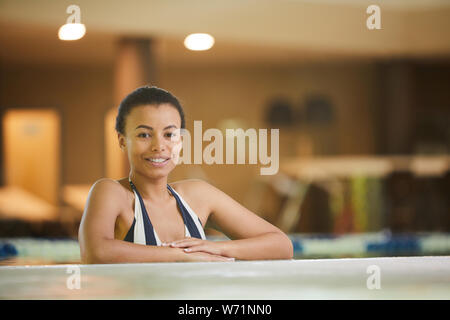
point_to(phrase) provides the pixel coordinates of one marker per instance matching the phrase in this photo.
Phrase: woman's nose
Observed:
(157, 144)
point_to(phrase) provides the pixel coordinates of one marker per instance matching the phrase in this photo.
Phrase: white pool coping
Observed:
(353, 278)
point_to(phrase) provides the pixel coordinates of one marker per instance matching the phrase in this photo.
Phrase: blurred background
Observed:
(364, 115)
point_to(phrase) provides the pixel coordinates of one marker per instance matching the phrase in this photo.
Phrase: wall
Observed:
(212, 94)
(82, 95)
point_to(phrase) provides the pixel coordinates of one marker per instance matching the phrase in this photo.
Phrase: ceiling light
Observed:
(199, 41)
(72, 31)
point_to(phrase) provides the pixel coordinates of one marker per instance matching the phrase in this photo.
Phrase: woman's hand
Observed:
(193, 245)
(206, 257)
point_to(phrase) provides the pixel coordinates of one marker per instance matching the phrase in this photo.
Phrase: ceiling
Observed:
(246, 31)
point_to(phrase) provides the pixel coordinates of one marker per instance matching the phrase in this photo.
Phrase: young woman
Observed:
(142, 218)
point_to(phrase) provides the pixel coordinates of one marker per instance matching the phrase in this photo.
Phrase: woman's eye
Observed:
(143, 135)
(170, 134)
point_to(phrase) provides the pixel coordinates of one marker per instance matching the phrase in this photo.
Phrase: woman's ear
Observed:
(122, 141)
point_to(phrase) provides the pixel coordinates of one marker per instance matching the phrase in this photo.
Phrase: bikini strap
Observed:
(147, 224)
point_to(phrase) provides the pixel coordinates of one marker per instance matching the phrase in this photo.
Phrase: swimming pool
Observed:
(35, 251)
(354, 278)
(325, 267)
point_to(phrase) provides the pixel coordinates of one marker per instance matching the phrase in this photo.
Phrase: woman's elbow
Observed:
(288, 248)
(89, 257)
(93, 255)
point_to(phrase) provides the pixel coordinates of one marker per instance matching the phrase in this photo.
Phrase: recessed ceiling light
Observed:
(72, 31)
(199, 41)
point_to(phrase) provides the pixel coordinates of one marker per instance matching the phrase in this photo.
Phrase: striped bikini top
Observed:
(142, 231)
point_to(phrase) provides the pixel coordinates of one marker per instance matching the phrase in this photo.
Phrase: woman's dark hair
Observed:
(144, 96)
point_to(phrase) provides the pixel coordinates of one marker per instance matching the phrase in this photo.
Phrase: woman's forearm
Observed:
(269, 246)
(118, 251)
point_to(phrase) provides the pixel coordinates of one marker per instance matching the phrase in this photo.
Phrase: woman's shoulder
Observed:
(107, 183)
(192, 188)
(198, 193)
(189, 184)
(106, 187)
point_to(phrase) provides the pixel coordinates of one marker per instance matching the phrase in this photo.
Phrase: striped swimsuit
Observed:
(142, 231)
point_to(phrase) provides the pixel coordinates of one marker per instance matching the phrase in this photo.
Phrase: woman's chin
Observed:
(157, 173)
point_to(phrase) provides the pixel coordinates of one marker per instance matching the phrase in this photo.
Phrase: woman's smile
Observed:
(158, 162)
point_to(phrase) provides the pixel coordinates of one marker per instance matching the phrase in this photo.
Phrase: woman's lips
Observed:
(157, 164)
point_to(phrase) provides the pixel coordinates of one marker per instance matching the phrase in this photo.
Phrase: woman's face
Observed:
(152, 139)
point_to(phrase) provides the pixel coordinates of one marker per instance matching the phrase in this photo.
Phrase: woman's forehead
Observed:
(154, 115)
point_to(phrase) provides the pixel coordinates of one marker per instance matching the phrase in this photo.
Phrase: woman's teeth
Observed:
(157, 160)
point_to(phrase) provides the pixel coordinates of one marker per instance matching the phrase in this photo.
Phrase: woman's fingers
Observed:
(211, 248)
(191, 245)
(199, 248)
(203, 256)
(224, 259)
(184, 242)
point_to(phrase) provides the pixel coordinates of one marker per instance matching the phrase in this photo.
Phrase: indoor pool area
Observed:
(409, 267)
(225, 150)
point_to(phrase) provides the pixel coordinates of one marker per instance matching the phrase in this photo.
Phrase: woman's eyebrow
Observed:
(150, 128)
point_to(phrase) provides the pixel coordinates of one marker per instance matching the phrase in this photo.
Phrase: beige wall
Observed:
(81, 95)
(84, 94)
(213, 94)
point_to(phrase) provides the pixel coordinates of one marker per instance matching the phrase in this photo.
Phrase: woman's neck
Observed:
(154, 190)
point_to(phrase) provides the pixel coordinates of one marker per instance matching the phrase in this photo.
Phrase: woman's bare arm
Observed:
(252, 237)
(96, 233)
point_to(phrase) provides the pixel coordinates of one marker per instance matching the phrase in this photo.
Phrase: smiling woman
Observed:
(141, 218)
